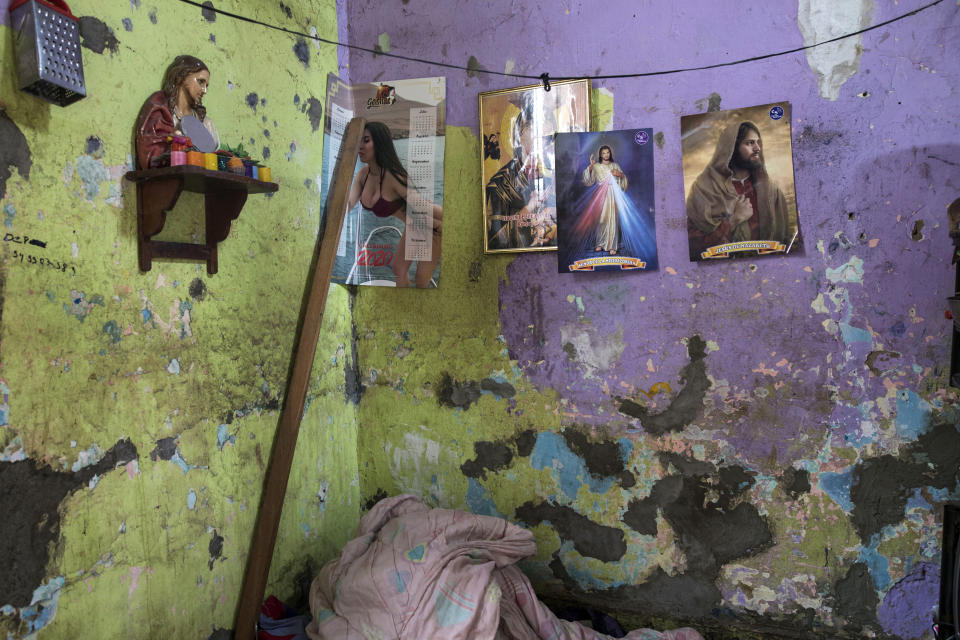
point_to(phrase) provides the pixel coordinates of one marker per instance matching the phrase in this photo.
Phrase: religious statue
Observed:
(162, 115)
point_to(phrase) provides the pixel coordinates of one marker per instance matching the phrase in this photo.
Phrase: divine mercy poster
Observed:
(392, 228)
(605, 201)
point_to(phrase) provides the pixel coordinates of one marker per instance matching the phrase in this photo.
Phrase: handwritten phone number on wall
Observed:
(56, 265)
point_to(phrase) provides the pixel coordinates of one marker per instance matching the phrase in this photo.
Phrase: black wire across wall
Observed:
(546, 77)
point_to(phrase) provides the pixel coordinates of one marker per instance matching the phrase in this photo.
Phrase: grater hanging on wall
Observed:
(47, 46)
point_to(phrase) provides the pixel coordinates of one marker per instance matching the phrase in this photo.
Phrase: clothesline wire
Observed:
(546, 77)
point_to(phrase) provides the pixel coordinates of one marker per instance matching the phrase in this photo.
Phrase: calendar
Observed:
(420, 150)
(392, 231)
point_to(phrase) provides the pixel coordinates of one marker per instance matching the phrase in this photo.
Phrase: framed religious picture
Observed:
(605, 201)
(517, 160)
(738, 183)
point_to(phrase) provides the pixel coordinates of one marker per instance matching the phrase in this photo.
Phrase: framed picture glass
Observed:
(517, 160)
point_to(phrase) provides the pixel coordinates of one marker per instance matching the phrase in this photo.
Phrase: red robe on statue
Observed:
(154, 124)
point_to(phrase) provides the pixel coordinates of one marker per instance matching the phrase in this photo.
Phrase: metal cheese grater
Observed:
(47, 45)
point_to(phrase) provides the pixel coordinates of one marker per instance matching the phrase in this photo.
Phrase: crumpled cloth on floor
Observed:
(415, 573)
(279, 622)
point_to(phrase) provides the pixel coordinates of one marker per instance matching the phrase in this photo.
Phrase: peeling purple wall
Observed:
(840, 347)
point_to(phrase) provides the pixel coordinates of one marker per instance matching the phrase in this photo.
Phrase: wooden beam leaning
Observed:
(285, 439)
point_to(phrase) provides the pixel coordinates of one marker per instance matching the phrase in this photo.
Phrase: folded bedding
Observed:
(415, 572)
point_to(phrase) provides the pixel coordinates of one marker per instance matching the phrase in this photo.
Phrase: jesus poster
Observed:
(605, 201)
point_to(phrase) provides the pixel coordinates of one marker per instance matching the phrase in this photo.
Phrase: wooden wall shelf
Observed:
(157, 193)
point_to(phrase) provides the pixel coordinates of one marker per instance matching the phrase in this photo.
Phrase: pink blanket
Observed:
(417, 573)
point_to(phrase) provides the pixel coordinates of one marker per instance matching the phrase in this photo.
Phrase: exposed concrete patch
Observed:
(208, 13)
(301, 584)
(14, 152)
(879, 491)
(603, 459)
(821, 20)
(857, 597)
(795, 482)
(475, 271)
(939, 447)
(916, 232)
(710, 103)
(626, 479)
(30, 497)
(734, 481)
(451, 393)
(589, 538)
(704, 507)
(473, 67)
(97, 36)
(492, 456)
(302, 51)
(881, 486)
(165, 449)
(879, 362)
(560, 571)
(501, 389)
(197, 289)
(353, 387)
(688, 466)
(525, 442)
(4, 407)
(215, 548)
(814, 137)
(498, 454)
(641, 516)
(314, 110)
(679, 597)
(352, 379)
(94, 147)
(374, 499)
(709, 536)
(658, 139)
(689, 401)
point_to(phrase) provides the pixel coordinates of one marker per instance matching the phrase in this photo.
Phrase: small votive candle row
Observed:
(209, 161)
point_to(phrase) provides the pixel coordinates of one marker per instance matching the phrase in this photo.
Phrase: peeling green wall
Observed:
(142, 406)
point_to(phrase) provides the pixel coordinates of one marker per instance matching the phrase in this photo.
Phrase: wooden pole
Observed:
(285, 439)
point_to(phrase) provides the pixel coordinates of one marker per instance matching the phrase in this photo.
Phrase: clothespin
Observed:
(546, 81)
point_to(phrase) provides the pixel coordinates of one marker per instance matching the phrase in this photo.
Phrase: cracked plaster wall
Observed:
(138, 409)
(771, 439)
